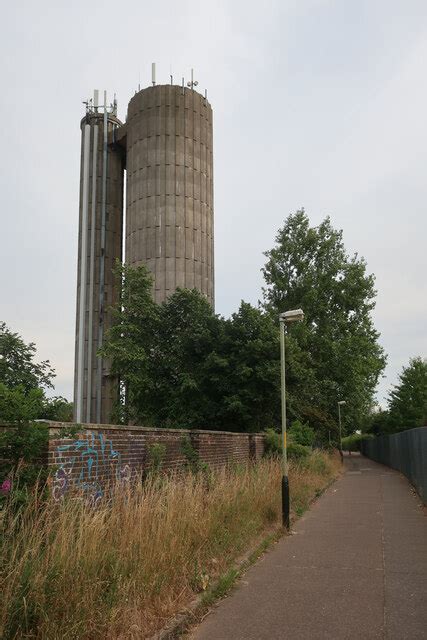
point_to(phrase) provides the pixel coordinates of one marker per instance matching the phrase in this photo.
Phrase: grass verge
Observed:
(122, 570)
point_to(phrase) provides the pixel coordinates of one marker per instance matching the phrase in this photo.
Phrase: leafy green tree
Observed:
(23, 383)
(18, 406)
(181, 365)
(17, 365)
(23, 446)
(301, 434)
(249, 381)
(408, 399)
(185, 355)
(131, 342)
(309, 268)
(377, 422)
(58, 409)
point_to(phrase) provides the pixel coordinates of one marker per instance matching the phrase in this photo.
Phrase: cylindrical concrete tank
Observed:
(99, 245)
(169, 212)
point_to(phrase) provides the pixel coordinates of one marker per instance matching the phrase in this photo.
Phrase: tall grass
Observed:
(121, 570)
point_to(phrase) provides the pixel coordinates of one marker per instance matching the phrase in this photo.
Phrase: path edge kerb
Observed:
(180, 623)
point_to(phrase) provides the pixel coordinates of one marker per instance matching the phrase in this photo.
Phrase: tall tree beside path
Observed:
(310, 268)
(408, 400)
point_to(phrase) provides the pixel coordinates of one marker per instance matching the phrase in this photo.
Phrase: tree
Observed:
(186, 352)
(130, 342)
(23, 383)
(377, 422)
(17, 366)
(181, 365)
(248, 383)
(408, 399)
(309, 268)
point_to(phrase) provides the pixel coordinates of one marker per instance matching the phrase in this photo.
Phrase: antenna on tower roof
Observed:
(153, 73)
(193, 83)
(95, 99)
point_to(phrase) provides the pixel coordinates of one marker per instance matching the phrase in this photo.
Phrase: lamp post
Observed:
(341, 403)
(297, 315)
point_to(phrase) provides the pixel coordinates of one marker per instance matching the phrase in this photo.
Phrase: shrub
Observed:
(273, 446)
(354, 440)
(300, 433)
(273, 442)
(23, 459)
(193, 459)
(156, 456)
(297, 451)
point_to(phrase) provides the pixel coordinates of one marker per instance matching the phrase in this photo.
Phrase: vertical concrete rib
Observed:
(169, 218)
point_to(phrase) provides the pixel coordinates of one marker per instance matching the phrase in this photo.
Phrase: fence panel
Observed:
(405, 451)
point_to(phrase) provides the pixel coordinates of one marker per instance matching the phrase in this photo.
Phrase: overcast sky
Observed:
(317, 103)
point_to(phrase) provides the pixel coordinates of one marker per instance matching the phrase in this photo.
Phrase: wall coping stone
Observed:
(115, 427)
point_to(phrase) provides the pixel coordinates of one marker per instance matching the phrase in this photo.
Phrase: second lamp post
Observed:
(297, 315)
(341, 403)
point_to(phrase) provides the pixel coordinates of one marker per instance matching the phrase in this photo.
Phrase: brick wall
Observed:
(102, 453)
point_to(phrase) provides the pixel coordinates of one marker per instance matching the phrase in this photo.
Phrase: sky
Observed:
(320, 104)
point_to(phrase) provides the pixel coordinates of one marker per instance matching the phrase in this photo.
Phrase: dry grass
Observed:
(121, 570)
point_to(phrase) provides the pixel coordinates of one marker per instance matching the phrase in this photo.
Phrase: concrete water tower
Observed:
(166, 148)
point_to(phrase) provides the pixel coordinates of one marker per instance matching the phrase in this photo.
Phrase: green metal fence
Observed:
(405, 451)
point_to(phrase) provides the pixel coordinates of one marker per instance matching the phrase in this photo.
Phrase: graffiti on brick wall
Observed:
(84, 463)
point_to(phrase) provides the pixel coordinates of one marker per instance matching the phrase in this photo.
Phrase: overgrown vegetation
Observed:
(353, 441)
(300, 441)
(24, 382)
(122, 569)
(156, 456)
(182, 365)
(407, 402)
(23, 386)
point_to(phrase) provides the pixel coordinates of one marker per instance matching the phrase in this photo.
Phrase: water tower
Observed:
(165, 146)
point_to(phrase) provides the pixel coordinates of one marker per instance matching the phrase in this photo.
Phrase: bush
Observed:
(298, 451)
(273, 442)
(273, 446)
(23, 459)
(194, 463)
(300, 433)
(353, 441)
(156, 456)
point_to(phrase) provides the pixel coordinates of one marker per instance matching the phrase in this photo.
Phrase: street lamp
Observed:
(341, 403)
(297, 315)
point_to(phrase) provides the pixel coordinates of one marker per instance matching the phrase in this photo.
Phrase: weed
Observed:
(141, 556)
(156, 456)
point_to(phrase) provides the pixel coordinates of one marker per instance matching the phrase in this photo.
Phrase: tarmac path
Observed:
(355, 569)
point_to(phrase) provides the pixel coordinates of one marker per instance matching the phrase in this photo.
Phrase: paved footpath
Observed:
(355, 568)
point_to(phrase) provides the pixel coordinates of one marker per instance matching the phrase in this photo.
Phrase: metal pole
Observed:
(285, 480)
(83, 276)
(99, 390)
(92, 271)
(339, 422)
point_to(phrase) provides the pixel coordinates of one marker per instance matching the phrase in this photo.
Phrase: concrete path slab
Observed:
(355, 569)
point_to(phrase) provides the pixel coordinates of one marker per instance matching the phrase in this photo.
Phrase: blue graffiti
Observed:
(91, 455)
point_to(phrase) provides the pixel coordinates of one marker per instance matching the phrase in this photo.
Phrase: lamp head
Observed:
(296, 315)
(341, 402)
